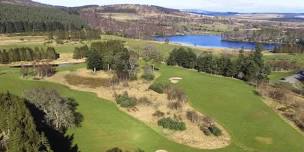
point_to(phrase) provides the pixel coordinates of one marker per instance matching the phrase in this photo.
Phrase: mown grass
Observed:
(235, 105)
(231, 102)
(60, 48)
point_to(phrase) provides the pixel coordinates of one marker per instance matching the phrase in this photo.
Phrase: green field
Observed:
(297, 58)
(276, 76)
(231, 102)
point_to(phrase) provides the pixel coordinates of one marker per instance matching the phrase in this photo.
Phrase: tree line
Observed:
(37, 70)
(297, 47)
(14, 19)
(246, 67)
(27, 54)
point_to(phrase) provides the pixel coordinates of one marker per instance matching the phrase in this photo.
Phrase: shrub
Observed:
(193, 116)
(171, 124)
(158, 87)
(205, 130)
(175, 105)
(148, 77)
(144, 101)
(215, 131)
(174, 93)
(148, 73)
(208, 130)
(158, 114)
(125, 101)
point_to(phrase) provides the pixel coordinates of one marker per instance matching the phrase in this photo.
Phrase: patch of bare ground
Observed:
(10, 40)
(146, 111)
(65, 58)
(264, 140)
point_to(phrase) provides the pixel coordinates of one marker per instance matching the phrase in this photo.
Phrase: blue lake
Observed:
(210, 41)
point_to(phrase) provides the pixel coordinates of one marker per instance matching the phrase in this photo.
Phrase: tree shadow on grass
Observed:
(59, 142)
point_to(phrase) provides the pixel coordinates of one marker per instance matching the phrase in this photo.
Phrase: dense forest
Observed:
(297, 47)
(265, 35)
(16, 19)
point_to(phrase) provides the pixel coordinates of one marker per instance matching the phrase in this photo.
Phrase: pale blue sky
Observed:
(211, 5)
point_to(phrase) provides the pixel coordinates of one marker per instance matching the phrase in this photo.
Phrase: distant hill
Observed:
(136, 8)
(134, 20)
(23, 3)
(210, 13)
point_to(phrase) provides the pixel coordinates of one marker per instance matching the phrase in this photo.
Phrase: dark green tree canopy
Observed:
(17, 129)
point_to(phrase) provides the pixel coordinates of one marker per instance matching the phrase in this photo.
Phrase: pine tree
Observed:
(17, 128)
(94, 61)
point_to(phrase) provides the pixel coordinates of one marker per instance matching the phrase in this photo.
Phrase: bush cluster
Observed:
(158, 114)
(176, 94)
(211, 130)
(169, 123)
(148, 73)
(125, 101)
(158, 87)
(205, 124)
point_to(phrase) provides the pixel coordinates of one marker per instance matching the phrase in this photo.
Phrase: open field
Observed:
(298, 58)
(252, 125)
(276, 76)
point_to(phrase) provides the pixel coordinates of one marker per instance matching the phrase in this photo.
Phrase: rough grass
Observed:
(86, 81)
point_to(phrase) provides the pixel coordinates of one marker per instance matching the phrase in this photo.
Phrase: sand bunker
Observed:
(175, 80)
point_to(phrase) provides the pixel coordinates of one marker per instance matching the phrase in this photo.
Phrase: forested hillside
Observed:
(16, 18)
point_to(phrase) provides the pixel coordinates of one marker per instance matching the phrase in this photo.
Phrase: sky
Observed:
(294, 6)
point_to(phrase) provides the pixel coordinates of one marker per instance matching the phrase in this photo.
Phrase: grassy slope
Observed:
(230, 102)
(104, 125)
(297, 58)
(276, 76)
(234, 104)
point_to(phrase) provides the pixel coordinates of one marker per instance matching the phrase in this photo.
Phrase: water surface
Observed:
(210, 41)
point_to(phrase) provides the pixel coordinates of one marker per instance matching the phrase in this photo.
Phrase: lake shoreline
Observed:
(211, 41)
